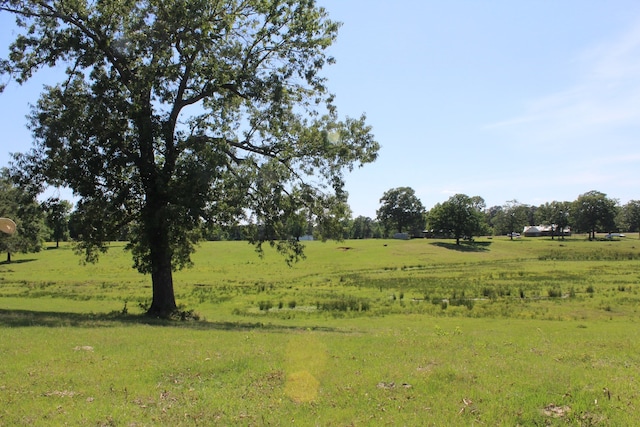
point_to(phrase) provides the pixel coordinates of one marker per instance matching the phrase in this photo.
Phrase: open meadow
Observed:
(530, 332)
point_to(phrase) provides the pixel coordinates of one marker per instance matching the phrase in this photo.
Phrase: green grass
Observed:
(528, 332)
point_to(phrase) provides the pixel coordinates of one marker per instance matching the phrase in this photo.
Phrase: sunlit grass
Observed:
(361, 332)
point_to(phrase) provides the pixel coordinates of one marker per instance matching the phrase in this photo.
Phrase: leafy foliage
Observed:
(21, 206)
(57, 218)
(511, 218)
(594, 211)
(630, 216)
(555, 213)
(459, 217)
(182, 112)
(401, 210)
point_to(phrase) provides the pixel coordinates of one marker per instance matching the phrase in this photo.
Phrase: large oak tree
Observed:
(175, 112)
(460, 217)
(593, 211)
(401, 211)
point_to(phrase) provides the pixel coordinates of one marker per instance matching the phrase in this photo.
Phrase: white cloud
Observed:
(604, 98)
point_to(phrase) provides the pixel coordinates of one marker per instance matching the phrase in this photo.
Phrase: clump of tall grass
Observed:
(346, 303)
(444, 303)
(265, 305)
(555, 292)
(599, 254)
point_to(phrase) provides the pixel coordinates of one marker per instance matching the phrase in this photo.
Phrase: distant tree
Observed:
(21, 206)
(531, 215)
(460, 216)
(492, 215)
(362, 227)
(174, 112)
(57, 218)
(480, 205)
(630, 216)
(334, 227)
(543, 214)
(556, 214)
(297, 225)
(401, 211)
(594, 211)
(512, 218)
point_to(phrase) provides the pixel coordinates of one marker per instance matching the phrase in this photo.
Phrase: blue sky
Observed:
(529, 100)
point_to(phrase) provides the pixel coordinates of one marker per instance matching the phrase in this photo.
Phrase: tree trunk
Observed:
(156, 214)
(8, 257)
(163, 303)
(157, 220)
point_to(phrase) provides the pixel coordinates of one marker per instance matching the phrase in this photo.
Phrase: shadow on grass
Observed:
(29, 318)
(464, 246)
(19, 261)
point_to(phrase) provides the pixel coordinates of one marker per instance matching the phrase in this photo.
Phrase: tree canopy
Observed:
(401, 211)
(630, 216)
(459, 217)
(56, 213)
(178, 112)
(557, 214)
(594, 211)
(22, 208)
(511, 218)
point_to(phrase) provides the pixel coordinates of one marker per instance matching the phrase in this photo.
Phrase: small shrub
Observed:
(555, 293)
(291, 304)
(489, 293)
(265, 305)
(466, 302)
(590, 289)
(345, 304)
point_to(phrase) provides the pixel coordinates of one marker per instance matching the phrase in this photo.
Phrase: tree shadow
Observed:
(52, 319)
(464, 246)
(17, 261)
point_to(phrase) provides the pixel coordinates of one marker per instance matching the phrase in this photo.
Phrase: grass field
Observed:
(421, 332)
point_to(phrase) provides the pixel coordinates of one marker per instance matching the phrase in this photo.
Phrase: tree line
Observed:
(461, 217)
